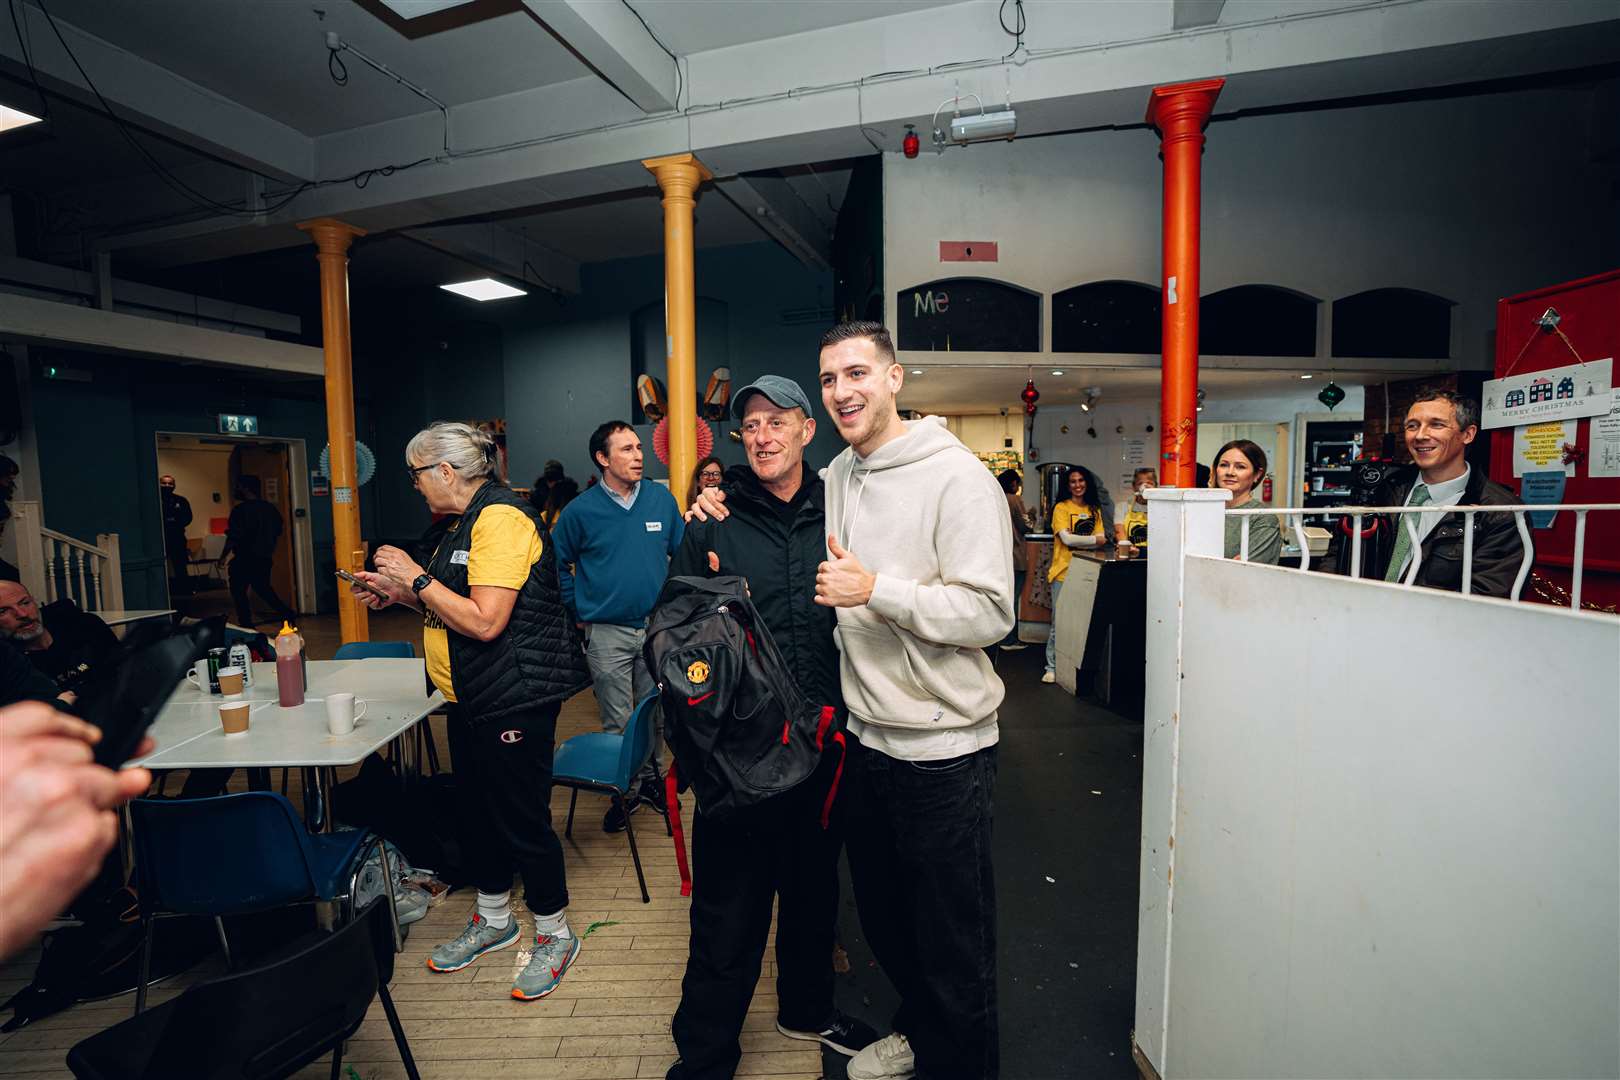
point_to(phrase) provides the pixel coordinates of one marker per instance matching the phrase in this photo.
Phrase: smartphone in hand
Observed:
(370, 588)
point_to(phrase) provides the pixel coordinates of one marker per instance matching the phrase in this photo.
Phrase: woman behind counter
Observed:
(504, 652)
(1077, 522)
(1240, 465)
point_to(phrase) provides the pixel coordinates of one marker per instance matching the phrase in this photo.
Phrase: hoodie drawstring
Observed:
(847, 519)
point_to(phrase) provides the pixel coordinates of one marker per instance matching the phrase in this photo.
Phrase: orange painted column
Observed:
(332, 239)
(679, 176)
(1180, 114)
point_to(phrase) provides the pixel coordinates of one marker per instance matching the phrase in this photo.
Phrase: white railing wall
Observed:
(54, 565)
(1381, 825)
(1407, 516)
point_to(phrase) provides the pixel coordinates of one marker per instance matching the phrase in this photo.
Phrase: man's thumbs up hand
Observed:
(843, 582)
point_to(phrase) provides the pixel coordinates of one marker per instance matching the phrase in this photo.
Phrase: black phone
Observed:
(127, 691)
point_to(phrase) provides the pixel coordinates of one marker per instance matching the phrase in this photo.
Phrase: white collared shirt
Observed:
(1444, 494)
(626, 501)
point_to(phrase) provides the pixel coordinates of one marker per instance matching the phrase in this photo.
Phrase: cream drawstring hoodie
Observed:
(927, 518)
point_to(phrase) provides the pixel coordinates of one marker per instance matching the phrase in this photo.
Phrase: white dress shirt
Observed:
(1444, 494)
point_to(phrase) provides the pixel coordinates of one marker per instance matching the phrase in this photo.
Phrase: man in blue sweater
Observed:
(613, 547)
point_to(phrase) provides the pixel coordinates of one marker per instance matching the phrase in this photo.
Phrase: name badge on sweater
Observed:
(459, 558)
(655, 526)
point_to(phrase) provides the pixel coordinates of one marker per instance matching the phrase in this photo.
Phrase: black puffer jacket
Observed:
(1498, 551)
(538, 659)
(778, 553)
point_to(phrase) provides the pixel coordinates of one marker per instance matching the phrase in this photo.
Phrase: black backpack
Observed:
(742, 731)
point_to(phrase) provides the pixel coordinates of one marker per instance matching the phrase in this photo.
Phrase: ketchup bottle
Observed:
(289, 666)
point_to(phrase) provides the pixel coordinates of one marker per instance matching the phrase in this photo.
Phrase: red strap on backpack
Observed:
(832, 792)
(827, 714)
(672, 792)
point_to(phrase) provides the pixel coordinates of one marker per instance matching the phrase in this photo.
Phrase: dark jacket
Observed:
(176, 513)
(538, 659)
(1498, 550)
(777, 551)
(79, 641)
(20, 680)
(253, 529)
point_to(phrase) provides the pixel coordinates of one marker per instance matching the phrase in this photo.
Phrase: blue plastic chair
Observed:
(599, 761)
(236, 854)
(373, 650)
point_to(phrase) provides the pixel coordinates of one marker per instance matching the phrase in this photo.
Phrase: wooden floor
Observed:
(609, 1018)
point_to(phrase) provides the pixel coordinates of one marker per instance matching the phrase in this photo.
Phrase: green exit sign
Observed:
(232, 424)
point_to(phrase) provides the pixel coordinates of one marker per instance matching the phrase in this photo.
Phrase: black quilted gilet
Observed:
(539, 658)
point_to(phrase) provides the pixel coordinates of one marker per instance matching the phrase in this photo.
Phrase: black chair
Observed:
(260, 1024)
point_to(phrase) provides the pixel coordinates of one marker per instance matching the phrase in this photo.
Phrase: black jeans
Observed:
(919, 857)
(503, 788)
(737, 868)
(253, 571)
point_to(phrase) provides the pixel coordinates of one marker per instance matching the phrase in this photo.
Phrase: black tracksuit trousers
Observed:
(738, 867)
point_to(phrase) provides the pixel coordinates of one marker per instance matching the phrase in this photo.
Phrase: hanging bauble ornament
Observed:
(1030, 396)
(365, 462)
(1330, 395)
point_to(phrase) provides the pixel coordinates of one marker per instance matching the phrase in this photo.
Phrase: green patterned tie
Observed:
(1403, 539)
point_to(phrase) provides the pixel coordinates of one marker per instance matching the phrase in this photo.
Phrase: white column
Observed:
(1181, 522)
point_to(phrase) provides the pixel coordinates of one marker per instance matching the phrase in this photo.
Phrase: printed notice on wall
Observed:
(1540, 447)
(1133, 456)
(1603, 458)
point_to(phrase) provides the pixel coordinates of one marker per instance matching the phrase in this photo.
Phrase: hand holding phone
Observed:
(366, 585)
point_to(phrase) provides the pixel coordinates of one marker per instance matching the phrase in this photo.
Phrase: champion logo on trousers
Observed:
(511, 736)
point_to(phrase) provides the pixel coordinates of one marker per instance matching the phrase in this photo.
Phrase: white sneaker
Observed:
(890, 1058)
(1049, 677)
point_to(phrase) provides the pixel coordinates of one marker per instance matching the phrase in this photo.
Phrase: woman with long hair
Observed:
(1077, 523)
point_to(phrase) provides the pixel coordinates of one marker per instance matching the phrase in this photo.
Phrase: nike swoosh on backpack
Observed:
(700, 700)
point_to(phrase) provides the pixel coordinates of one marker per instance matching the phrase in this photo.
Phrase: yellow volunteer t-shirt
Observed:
(1070, 516)
(505, 546)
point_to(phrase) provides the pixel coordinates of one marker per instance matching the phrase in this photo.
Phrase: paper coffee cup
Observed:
(230, 681)
(234, 717)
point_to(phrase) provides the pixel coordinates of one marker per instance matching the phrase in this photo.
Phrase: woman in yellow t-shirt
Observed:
(502, 649)
(1077, 522)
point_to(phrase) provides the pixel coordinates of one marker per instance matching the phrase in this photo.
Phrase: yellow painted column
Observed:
(332, 239)
(679, 176)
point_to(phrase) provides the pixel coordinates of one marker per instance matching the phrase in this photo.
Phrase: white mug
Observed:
(198, 676)
(340, 713)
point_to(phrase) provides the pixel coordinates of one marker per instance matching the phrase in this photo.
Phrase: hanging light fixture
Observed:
(1330, 395)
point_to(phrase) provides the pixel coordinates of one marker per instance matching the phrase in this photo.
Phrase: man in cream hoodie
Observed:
(920, 570)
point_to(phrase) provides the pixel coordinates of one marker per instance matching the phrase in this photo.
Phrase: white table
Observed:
(189, 734)
(123, 618)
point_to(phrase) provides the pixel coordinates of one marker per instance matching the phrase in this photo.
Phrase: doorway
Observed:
(207, 471)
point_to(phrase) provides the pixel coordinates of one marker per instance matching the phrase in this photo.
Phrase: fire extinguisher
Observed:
(1265, 490)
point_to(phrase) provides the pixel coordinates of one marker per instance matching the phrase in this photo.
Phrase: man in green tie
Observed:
(1440, 425)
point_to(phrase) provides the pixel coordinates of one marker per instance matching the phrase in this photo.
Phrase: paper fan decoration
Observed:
(705, 439)
(365, 462)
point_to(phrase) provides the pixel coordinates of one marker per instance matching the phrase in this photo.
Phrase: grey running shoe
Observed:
(479, 938)
(551, 959)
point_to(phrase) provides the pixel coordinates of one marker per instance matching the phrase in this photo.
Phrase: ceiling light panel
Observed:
(15, 118)
(483, 289)
(415, 9)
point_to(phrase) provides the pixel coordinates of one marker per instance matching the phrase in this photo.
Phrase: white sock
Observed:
(496, 908)
(555, 925)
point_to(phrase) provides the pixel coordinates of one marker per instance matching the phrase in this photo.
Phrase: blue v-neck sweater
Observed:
(611, 562)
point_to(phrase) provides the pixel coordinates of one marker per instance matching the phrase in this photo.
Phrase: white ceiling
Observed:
(986, 390)
(690, 26)
(270, 55)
